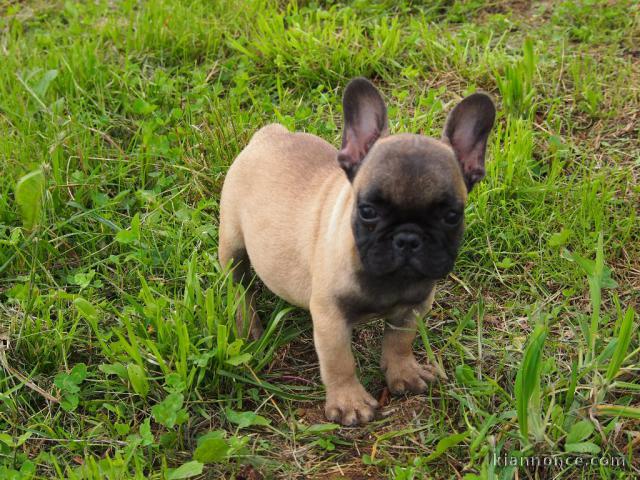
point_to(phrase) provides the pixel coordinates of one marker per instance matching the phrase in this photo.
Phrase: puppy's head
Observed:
(410, 190)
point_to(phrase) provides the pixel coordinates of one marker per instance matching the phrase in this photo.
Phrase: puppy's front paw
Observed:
(407, 375)
(350, 405)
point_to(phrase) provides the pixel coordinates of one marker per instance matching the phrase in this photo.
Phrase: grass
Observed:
(118, 355)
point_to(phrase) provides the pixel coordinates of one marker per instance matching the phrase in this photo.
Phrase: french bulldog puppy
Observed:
(354, 234)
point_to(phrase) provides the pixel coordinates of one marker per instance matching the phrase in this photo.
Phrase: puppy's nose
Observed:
(407, 242)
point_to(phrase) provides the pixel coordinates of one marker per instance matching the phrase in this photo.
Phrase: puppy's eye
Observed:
(452, 217)
(367, 213)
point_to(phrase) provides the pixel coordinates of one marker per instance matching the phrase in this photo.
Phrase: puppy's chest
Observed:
(387, 301)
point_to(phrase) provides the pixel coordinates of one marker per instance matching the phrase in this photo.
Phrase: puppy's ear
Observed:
(365, 120)
(467, 129)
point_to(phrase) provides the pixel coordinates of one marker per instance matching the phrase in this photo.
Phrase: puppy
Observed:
(354, 234)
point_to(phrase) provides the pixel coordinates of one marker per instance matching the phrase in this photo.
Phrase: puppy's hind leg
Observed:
(247, 319)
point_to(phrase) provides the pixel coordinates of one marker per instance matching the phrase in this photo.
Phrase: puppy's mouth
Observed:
(408, 267)
(412, 264)
(415, 267)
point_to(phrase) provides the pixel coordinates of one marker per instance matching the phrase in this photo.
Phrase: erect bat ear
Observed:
(365, 120)
(467, 130)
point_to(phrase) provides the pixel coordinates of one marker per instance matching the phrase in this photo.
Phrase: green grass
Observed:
(118, 355)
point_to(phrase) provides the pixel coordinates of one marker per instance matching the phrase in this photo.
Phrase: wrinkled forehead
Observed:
(411, 170)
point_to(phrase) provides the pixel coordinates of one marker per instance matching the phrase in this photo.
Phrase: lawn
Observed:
(118, 355)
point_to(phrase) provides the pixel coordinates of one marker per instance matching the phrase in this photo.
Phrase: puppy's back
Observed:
(298, 154)
(272, 201)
